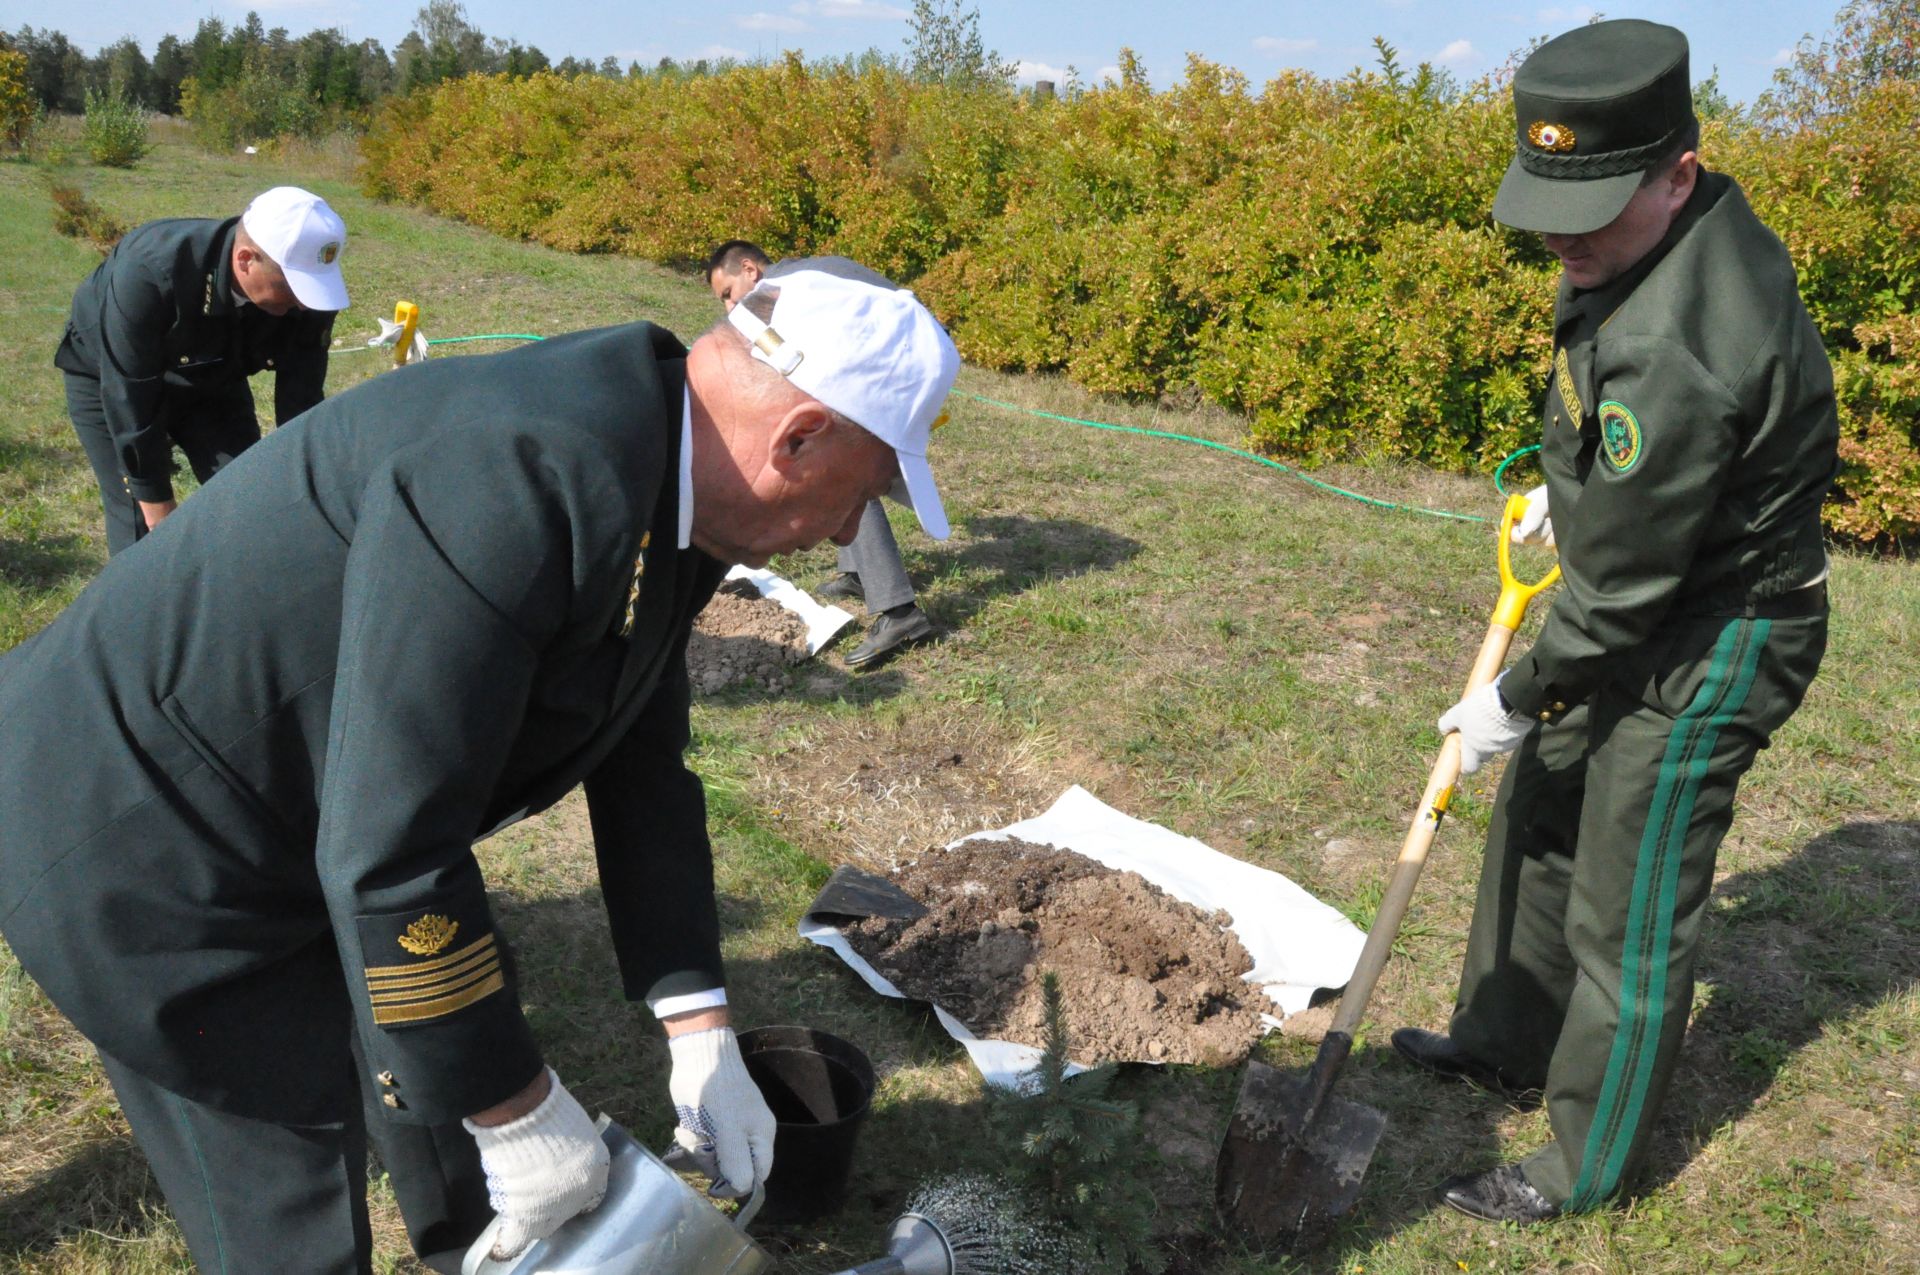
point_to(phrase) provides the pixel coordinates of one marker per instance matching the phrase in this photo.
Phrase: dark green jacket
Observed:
(157, 321)
(240, 777)
(1690, 438)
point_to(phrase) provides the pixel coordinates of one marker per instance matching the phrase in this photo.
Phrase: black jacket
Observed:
(221, 839)
(157, 321)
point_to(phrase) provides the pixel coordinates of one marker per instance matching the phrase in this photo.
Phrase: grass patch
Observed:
(1198, 640)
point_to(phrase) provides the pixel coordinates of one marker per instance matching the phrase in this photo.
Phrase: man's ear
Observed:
(803, 428)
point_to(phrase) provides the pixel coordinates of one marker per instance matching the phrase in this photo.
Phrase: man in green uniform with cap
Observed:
(165, 332)
(242, 774)
(1689, 440)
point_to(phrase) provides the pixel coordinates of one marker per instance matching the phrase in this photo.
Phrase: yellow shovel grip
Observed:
(407, 315)
(1516, 594)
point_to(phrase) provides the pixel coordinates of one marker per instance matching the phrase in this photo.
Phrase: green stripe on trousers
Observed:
(1643, 968)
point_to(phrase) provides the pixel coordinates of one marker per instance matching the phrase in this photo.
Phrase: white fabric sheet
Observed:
(822, 621)
(1298, 944)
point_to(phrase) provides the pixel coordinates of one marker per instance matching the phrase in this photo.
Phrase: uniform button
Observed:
(269, 362)
(1558, 707)
(1546, 716)
(392, 1100)
(386, 1078)
(183, 358)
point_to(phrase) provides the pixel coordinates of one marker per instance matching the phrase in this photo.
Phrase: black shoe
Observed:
(1436, 1052)
(1498, 1195)
(844, 585)
(891, 631)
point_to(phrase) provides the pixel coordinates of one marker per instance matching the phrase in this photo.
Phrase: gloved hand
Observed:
(1487, 727)
(542, 1169)
(1534, 526)
(725, 1126)
(390, 336)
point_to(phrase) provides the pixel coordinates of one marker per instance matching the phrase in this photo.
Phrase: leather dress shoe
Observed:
(891, 631)
(1498, 1195)
(844, 585)
(1436, 1052)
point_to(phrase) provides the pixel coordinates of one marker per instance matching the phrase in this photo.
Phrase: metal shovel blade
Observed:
(1286, 1173)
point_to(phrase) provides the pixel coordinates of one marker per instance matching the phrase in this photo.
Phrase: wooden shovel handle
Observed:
(1507, 614)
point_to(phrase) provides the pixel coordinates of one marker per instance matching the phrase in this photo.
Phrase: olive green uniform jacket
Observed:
(241, 775)
(157, 319)
(1690, 439)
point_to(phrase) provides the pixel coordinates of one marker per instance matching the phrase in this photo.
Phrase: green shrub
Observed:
(18, 107)
(115, 129)
(1317, 255)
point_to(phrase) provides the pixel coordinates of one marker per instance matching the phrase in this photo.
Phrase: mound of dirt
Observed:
(1145, 976)
(743, 638)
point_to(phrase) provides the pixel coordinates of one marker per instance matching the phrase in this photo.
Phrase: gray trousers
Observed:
(874, 556)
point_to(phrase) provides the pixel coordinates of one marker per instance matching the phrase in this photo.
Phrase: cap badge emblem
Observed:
(328, 251)
(429, 935)
(1557, 138)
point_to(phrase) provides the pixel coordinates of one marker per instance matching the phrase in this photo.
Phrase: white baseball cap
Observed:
(875, 355)
(304, 237)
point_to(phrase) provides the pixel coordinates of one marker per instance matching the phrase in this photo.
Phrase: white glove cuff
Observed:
(541, 1137)
(706, 1052)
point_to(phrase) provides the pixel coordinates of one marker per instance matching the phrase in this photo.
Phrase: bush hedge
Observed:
(1317, 255)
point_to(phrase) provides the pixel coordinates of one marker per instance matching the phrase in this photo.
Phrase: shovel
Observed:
(1294, 1154)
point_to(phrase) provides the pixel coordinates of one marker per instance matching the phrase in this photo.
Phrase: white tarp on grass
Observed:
(822, 621)
(1298, 944)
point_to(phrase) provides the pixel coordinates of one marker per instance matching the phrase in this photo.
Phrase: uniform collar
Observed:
(220, 284)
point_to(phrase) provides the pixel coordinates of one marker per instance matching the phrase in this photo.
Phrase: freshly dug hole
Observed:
(1146, 977)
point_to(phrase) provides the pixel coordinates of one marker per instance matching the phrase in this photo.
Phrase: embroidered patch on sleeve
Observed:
(1619, 436)
(427, 964)
(1569, 397)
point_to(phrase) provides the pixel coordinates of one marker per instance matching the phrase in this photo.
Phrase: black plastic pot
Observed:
(819, 1087)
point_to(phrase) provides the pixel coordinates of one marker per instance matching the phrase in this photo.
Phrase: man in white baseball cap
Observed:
(165, 332)
(875, 356)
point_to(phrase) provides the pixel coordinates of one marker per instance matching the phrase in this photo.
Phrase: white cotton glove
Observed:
(390, 336)
(542, 1169)
(1486, 728)
(725, 1126)
(1534, 527)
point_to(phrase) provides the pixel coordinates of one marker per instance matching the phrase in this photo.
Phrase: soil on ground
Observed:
(742, 638)
(1145, 976)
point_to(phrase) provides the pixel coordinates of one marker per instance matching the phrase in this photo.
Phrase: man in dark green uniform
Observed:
(1690, 439)
(238, 790)
(165, 332)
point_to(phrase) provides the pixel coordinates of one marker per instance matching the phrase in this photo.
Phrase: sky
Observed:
(1744, 41)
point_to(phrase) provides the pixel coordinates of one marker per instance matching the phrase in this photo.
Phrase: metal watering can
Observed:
(650, 1223)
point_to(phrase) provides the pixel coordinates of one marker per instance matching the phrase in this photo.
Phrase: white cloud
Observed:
(1783, 58)
(1578, 15)
(722, 51)
(1106, 73)
(867, 10)
(1283, 44)
(769, 22)
(1026, 71)
(1458, 51)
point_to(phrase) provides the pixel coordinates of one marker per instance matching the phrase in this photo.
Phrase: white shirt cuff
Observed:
(665, 1005)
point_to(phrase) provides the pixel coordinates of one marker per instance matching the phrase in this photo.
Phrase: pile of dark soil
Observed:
(743, 638)
(1146, 977)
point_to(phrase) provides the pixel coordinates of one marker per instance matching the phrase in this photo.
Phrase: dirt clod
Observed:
(1145, 975)
(743, 638)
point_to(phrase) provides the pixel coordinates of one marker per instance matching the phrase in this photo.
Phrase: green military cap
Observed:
(1593, 110)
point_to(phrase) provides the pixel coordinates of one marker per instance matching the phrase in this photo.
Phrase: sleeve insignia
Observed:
(429, 935)
(633, 590)
(1619, 436)
(1569, 397)
(443, 967)
(1556, 139)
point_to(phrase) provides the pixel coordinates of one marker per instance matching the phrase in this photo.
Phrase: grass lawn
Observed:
(1201, 641)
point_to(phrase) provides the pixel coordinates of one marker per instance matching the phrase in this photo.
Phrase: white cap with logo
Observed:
(304, 237)
(875, 355)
